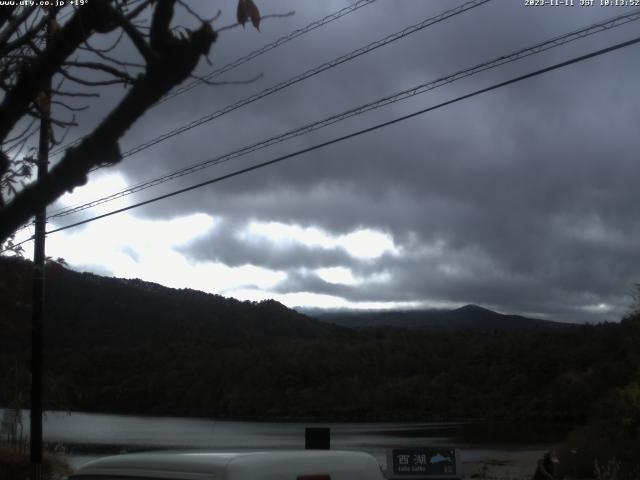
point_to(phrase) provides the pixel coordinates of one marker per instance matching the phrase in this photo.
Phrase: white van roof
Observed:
(289, 465)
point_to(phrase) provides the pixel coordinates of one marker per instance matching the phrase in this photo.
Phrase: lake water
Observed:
(88, 436)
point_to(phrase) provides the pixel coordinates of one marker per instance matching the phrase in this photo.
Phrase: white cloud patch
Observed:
(598, 308)
(360, 244)
(146, 249)
(130, 246)
(344, 276)
(339, 275)
(97, 187)
(310, 299)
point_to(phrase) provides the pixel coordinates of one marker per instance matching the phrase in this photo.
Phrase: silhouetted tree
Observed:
(76, 71)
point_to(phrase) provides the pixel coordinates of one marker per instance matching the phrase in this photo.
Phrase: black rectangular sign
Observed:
(423, 462)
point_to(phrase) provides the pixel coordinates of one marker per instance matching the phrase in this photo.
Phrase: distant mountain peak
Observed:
(468, 317)
(471, 308)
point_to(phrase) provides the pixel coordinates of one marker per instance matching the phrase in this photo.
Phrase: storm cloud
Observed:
(524, 199)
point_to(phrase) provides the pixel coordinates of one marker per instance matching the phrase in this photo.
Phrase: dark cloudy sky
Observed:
(523, 200)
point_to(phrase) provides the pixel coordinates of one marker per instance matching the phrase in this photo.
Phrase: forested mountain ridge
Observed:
(467, 317)
(129, 346)
(128, 310)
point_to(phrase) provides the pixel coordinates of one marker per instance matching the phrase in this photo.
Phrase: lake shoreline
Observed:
(83, 437)
(396, 419)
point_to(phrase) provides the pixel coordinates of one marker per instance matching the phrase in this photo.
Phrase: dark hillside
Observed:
(125, 312)
(129, 346)
(469, 317)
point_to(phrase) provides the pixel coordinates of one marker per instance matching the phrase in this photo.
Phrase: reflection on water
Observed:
(124, 430)
(87, 436)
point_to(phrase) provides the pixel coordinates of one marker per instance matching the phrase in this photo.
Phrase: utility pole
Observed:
(37, 316)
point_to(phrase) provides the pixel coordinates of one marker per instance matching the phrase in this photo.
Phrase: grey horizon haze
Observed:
(523, 200)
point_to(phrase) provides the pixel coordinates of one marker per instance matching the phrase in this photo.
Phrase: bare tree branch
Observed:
(87, 46)
(95, 15)
(25, 38)
(71, 108)
(115, 61)
(92, 83)
(28, 63)
(173, 61)
(135, 36)
(227, 82)
(139, 9)
(123, 76)
(13, 26)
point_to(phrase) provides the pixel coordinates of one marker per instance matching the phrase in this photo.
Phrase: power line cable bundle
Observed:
(403, 95)
(293, 80)
(307, 74)
(359, 132)
(281, 41)
(310, 73)
(355, 134)
(250, 56)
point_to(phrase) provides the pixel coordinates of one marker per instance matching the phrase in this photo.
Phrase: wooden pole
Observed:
(37, 316)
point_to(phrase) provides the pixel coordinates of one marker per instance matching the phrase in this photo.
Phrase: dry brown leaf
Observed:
(254, 14)
(241, 13)
(247, 10)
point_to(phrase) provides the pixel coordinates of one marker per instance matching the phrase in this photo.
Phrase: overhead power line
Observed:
(408, 93)
(310, 73)
(359, 132)
(293, 80)
(250, 56)
(350, 56)
(281, 41)
(345, 137)
(307, 74)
